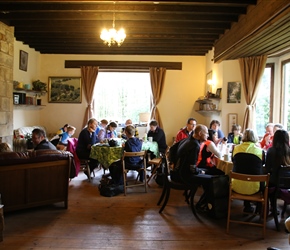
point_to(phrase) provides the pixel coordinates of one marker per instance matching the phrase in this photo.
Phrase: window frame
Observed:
(283, 97)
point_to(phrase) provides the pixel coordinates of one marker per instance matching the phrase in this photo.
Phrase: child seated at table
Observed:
(132, 144)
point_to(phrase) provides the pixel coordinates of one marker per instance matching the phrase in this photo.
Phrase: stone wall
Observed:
(6, 82)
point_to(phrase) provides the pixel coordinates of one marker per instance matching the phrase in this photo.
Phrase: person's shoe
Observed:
(249, 210)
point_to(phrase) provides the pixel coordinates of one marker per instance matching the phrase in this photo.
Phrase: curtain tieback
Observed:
(249, 107)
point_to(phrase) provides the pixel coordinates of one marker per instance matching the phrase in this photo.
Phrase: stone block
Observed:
(4, 47)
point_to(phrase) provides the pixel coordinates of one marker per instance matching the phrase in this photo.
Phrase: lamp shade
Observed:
(144, 117)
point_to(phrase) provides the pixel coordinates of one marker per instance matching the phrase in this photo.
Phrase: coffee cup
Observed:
(150, 139)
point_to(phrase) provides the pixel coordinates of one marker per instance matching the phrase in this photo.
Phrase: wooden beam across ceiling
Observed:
(152, 28)
(269, 33)
(132, 65)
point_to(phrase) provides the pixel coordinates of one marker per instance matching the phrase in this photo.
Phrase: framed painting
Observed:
(232, 120)
(218, 92)
(234, 92)
(64, 89)
(23, 60)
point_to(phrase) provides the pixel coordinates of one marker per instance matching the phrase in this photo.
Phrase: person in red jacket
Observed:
(184, 132)
(207, 151)
(268, 137)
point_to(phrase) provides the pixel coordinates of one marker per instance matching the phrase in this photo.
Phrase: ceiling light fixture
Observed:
(113, 36)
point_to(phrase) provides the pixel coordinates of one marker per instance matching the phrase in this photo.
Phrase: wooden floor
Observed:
(128, 222)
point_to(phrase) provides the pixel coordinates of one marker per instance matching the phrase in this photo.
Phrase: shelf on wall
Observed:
(27, 106)
(208, 111)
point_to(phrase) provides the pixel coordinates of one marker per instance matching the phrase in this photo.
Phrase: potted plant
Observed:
(39, 86)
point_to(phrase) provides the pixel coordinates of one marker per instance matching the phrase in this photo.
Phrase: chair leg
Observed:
(264, 210)
(166, 200)
(229, 215)
(274, 212)
(163, 194)
(152, 173)
(192, 194)
(284, 209)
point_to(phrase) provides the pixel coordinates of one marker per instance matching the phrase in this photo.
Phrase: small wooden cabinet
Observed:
(208, 105)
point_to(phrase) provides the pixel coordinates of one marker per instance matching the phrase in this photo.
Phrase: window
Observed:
(120, 96)
(285, 94)
(264, 102)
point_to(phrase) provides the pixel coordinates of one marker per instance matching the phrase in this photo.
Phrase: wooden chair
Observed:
(81, 164)
(126, 169)
(257, 197)
(281, 191)
(155, 164)
(168, 184)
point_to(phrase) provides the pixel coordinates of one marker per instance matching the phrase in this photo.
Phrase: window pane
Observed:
(286, 83)
(122, 95)
(263, 102)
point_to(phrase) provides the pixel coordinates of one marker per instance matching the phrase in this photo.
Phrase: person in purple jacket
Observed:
(132, 144)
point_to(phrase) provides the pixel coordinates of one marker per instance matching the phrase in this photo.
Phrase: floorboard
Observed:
(128, 222)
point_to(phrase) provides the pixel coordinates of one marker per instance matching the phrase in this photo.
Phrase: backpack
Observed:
(108, 189)
(172, 156)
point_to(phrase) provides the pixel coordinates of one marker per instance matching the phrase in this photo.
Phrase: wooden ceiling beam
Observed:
(235, 7)
(123, 64)
(264, 14)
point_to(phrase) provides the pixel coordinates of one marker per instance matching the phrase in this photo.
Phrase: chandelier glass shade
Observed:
(112, 36)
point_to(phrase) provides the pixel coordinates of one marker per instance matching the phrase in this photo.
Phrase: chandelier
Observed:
(113, 36)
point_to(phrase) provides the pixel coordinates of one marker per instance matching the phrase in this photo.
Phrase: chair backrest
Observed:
(284, 177)
(248, 177)
(247, 163)
(133, 154)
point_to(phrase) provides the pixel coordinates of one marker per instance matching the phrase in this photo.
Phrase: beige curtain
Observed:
(89, 76)
(252, 69)
(157, 78)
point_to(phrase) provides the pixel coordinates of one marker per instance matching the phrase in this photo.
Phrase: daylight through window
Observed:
(119, 96)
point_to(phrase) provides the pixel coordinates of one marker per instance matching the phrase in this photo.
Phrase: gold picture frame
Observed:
(64, 89)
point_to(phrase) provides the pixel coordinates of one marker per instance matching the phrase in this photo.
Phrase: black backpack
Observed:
(108, 189)
(172, 156)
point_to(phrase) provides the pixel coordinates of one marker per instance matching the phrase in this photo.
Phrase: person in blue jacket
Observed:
(132, 144)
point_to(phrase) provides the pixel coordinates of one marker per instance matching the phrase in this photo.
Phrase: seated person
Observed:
(184, 132)
(215, 125)
(62, 130)
(39, 140)
(208, 150)
(268, 137)
(102, 132)
(235, 136)
(56, 139)
(129, 122)
(5, 147)
(108, 133)
(277, 155)
(158, 135)
(70, 130)
(132, 144)
(248, 159)
(87, 138)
